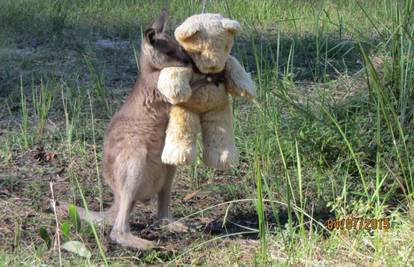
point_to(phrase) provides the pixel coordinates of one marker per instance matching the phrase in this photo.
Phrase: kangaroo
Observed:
(134, 140)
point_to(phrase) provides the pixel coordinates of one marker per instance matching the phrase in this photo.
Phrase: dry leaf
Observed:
(191, 195)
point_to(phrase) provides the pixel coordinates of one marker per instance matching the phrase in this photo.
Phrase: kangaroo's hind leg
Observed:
(164, 197)
(130, 177)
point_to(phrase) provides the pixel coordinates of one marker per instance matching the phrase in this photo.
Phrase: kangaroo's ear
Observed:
(149, 36)
(160, 24)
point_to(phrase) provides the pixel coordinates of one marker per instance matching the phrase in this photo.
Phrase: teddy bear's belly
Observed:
(207, 98)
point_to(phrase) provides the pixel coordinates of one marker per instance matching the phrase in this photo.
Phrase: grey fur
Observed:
(134, 140)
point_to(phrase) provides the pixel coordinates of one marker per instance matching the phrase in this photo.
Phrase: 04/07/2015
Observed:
(358, 224)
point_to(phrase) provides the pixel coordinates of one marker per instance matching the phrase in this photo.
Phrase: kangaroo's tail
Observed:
(105, 217)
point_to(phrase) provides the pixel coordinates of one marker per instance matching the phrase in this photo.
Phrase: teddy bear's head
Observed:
(208, 39)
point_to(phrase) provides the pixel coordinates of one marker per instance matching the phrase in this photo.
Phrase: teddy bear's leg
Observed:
(181, 136)
(219, 149)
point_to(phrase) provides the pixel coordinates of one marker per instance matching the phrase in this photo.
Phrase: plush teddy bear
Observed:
(200, 93)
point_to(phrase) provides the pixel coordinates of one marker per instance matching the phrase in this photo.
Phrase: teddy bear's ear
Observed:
(184, 33)
(231, 25)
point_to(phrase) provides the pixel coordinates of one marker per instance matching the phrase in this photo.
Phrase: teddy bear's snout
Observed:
(208, 62)
(212, 66)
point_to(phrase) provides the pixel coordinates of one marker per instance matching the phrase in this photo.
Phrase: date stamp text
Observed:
(358, 224)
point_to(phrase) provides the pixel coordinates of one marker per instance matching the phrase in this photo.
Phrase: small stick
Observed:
(57, 234)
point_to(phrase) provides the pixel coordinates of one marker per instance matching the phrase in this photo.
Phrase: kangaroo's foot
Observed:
(173, 226)
(129, 240)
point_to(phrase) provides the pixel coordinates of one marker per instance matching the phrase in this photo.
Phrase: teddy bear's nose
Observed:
(213, 69)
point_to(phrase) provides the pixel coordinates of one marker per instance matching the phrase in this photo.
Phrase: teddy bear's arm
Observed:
(238, 82)
(174, 84)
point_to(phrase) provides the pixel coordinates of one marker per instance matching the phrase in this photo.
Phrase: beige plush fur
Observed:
(208, 39)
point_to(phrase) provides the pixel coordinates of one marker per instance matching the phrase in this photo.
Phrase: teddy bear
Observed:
(199, 94)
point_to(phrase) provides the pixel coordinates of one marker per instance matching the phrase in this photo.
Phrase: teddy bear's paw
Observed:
(180, 97)
(221, 159)
(177, 96)
(174, 84)
(177, 154)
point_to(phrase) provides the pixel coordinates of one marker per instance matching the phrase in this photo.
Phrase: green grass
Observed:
(330, 136)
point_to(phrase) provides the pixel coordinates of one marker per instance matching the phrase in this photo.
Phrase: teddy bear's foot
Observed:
(221, 159)
(176, 154)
